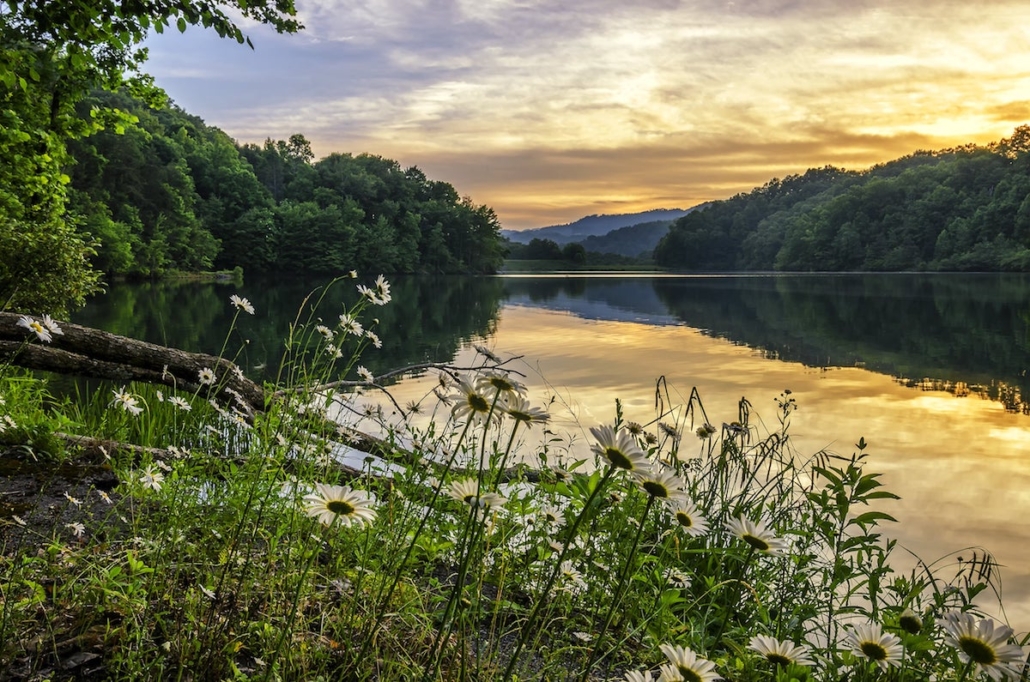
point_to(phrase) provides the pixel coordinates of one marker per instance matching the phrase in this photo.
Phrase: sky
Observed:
(550, 111)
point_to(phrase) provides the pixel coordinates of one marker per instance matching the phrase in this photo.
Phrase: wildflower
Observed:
(77, 529)
(365, 375)
(206, 376)
(376, 341)
(663, 484)
(705, 431)
(470, 402)
(7, 423)
(780, 652)
(636, 676)
(333, 352)
(677, 578)
(325, 331)
(380, 295)
(519, 409)
(757, 535)
(684, 664)
(104, 496)
(500, 382)
(984, 644)
(467, 491)
(619, 450)
(552, 515)
(207, 593)
(353, 274)
(181, 403)
(42, 333)
(669, 431)
(241, 304)
(561, 475)
(583, 636)
(486, 353)
(910, 622)
(688, 517)
(635, 429)
(126, 401)
(74, 500)
(350, 325)
(237, 372)
(162, 466)
(51, 326)
(330, 503)
(568, 573)
(19, 520)
(150, 478)
(383, 287)
(871, 642)
(160, 396)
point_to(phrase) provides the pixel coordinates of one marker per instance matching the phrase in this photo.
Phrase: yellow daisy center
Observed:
(478, 403)
(618, 458)
(778, 659)
(689, 674)
(874, 651)
(655, 489)
(684, 519)
(758, 543)
(340, 507)
(978, 650)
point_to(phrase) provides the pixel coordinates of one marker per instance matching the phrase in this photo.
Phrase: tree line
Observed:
(169, 191)
(100, 177)
(959, 209)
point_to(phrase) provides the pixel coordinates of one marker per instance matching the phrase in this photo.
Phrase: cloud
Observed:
(585, 95)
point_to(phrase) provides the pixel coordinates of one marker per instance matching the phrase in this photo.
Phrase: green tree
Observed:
(52, 54)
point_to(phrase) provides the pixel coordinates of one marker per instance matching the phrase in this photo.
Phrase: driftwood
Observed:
(86, 352)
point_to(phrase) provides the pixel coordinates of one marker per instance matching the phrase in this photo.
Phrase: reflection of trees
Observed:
(427, 320)
(959, 330)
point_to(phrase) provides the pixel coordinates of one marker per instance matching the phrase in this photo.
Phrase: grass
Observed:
(235, 546)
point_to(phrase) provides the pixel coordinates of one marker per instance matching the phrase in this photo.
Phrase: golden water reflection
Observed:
(961, 465)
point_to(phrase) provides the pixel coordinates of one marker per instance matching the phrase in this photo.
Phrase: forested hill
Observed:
(964, 209)
(169, 192)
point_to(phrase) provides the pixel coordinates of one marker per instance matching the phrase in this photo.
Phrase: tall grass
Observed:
(238, 544)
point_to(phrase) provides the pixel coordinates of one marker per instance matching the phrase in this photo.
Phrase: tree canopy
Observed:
(52, 55)
(960, 209)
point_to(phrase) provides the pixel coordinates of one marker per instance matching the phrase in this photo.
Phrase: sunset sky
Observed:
(549, 111)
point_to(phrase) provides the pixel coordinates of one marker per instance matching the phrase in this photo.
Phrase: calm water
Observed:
(930, 370)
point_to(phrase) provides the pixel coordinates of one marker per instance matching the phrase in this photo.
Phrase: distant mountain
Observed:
(632, 241)
(592, 226)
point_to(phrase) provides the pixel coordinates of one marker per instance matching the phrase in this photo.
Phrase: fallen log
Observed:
(87, 352)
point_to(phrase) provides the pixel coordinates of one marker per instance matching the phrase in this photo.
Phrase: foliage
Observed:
(52, 54)
(256, 545)
(963, 209)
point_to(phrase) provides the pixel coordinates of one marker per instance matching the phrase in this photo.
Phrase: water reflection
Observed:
(966, 334)
(427, 321)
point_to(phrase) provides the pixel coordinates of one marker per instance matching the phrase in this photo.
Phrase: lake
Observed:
(930, 369)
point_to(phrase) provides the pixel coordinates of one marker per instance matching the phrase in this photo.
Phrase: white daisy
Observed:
(870, 642)
(41, 332)
(374, 338)
(329, 503)
(638, 676)
(690, 520)
(181, 403)
(684, 664)
(241, 304)
(467, 491)
(51, 325)
(661, 483)
(366, 375)
(619, 450)
(350, 325)
(552, 515)
(126, 401)
(984, 644)
(757, 535)
(206, 376)
(77, 529)
(150, 478)
(325, 331)
(470, 402)
(780, 652)
(519, 409)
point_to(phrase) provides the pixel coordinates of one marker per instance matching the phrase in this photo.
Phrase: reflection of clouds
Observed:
(962, 472)
(607, 93)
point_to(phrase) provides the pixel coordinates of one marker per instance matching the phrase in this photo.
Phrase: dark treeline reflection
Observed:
(961, 333)
(427, 320)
